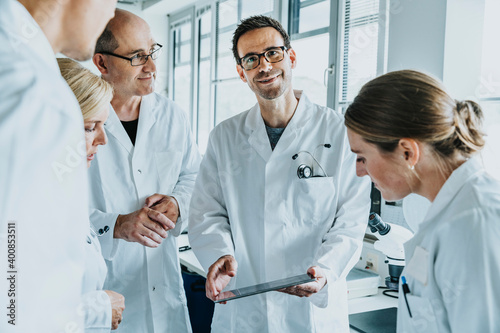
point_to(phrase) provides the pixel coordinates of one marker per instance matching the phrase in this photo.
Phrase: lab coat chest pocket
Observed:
(423, 315)
(168, 166)
(314, 200)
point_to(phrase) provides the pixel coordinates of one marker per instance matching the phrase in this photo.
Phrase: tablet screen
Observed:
(263, 287)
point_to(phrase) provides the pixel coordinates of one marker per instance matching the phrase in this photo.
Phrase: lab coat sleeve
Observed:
(343, 242)
(99, 218)
(467, 269)
(209, 228)
(184, 188)
(96, 308)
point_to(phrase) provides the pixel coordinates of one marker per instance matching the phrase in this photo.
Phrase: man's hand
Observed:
(117, 306)
(310, 288)
(145, 226)
(164, 204)
(219, 275)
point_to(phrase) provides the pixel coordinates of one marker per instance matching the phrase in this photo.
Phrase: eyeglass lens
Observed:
(141, 60)
(252, 61)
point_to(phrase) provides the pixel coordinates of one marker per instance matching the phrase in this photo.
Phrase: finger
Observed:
(168, 207)
(209, 285)
(297, 291)
(210, 290)
(146, 241)
(153, 199)
(157, 229)
(315, 272)
(230, 266)
(161, 206)
(161, 219)
(308, 288)
(143, 234)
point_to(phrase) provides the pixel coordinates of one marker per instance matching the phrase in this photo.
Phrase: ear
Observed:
(410, 150)
(241, 73)
(293, 57)
(100, 62)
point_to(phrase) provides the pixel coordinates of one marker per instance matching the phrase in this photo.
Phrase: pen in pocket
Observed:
(406, 290)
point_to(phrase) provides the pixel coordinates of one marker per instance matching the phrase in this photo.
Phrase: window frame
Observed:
(283, 11)
(174, 21)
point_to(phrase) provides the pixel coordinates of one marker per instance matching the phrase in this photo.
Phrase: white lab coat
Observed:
(96, 303)
(164, 160)
(249, 202)
(453, 261)
(43, 180)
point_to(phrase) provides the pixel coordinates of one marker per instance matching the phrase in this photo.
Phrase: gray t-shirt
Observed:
(274, 135)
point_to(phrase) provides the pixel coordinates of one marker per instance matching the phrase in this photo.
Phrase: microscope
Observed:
(390, 242)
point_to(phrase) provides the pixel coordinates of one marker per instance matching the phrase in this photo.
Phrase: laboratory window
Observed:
(336, 42)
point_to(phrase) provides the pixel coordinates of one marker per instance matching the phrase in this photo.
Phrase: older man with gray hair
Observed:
(141, 181)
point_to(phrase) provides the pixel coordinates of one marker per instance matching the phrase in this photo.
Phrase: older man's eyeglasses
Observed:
(139, 60)
(273, 55)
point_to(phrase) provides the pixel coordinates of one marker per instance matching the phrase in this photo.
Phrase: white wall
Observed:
(439, 37)
(417, 35)
(463, 47)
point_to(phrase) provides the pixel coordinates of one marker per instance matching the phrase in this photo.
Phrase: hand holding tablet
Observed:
(219, 275)
(300, 285)
(263, 287)
(310, 288)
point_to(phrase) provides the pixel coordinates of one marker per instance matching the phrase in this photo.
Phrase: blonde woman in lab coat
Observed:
(102, 308)
(410, 136)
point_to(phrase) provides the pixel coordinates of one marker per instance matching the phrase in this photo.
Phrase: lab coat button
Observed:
(154, 288)
(139, 170)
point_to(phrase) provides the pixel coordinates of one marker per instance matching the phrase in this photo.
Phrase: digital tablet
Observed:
(263, 287)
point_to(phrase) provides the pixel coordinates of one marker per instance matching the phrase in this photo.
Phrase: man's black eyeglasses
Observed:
(273, 55)
(139, 60)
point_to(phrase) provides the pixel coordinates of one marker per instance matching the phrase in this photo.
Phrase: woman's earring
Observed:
(412, 167)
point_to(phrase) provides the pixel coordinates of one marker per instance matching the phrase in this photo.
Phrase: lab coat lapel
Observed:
(258, 138)
(299, 119)
(146, 119)
(115, 128)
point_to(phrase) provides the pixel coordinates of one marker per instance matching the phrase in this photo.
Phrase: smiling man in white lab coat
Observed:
(255, 214)
(43, 176)
(141, 182)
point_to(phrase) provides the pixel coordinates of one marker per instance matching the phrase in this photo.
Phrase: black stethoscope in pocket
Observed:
(307, 171)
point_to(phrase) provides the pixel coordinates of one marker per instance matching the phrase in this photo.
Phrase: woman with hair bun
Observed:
(102, 309)
(410, 136)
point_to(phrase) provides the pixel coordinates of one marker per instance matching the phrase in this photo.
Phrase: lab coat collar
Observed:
(452, 186)
(24, 30)
(115, 128)
(258, 138)
(146, 120)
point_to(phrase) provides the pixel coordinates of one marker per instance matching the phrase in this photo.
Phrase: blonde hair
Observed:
(91, 91)
(410, 104)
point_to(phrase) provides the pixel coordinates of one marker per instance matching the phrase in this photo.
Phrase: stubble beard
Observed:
(274, 92)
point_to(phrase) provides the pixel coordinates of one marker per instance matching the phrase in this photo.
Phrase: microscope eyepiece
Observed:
(376, 224)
